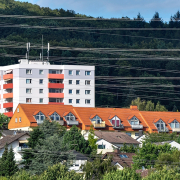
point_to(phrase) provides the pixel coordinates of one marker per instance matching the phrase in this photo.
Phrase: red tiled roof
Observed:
(171, 120)
(156, 120)
(92, 116)
(36, 112)
(51, 113)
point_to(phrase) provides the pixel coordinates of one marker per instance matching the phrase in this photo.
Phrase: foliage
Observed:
(92, 140)
(164, 174)
(76, 141)
(125, 174)
(4, 120)
(148, 154)
(128, 149)
(7, 163)
(97, 168)
(147, 106)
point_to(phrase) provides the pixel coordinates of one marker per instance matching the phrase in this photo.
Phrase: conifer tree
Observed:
(3, 160)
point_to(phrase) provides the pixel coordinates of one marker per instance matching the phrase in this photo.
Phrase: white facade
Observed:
(39, 82)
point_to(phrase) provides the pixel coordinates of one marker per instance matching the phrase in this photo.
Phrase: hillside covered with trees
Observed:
(127, 66)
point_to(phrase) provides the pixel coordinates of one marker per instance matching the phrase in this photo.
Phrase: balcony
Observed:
(164, 130)
(8, 105)
(7, 76)
(56, 76)
(61, 122)
(99, 125)
(175, 129)
(56, 95)
(56, 103)
(8, 86)
(9, 114)
(121, 126)
(55, 85)
(39, 121)
(70, 123)
(8, 95)
(136, 126)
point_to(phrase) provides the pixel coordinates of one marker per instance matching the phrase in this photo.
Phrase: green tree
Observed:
(128, 149)
(3, 160)
(92, 140)
(76, 141)
(4, 120)
(160, 107)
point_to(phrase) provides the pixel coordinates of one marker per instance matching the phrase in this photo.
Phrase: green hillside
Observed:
(67, 29)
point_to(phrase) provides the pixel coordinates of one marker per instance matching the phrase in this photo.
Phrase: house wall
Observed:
(76, 165)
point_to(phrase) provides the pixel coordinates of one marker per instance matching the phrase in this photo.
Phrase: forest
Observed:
(133, 58)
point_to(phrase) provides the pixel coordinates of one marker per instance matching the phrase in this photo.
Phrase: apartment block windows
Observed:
(41, 72)
(40, 100)
(70, 81)
(77, 101)
(77, 91)
(28, 81)
(40, 91)
(54, 71)
(77, 72)
(87, 91)
(28, 90)
(70, 72)
(87, 73)
(70, 91)
(20, 119)
(28, 100)
(41, 81)
(28, 71)
(87, 82)
(77, 82)
(70, 101)
(87, 101)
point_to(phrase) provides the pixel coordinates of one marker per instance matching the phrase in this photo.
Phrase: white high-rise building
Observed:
(38, 82)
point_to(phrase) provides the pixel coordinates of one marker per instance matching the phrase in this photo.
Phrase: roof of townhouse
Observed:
(10, 138)
(124, 159)
(115, 137)
(151, 117)
(7, 133)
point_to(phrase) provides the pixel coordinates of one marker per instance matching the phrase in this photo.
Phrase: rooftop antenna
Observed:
(48, 53)
(42, 47)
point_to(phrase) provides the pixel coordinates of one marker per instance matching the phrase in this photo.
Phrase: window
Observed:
(96, 119)
(87, 91)
(40, 100)
(40, 91)
(56, 100)
(123, 156)
(87, 101)
(28, 91)
(16, 120)
(115, 121)
(136, 134)
(54, 71)
(40, 116)
(101, 146)
(41, 72)
(77, 81)
(129, 134)
(28, 71)
(87, 73)
(87, 82)
(41, 81)
(52, 90)
(28, 100)
(17, 109)
(174, 124)
(134, 121)
(70, 81)
(70, 72)
(55, 117)
(70, 117)
(28, 81)
(70, 101)
(77, 91)
(70, 91)
(19, 119)
(161, 125)
(77, 72)
(77, 101)
(56, 81)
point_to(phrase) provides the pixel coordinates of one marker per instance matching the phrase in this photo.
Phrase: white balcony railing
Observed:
(137, 126)
(99, 125)
(176, 129)
(72, 122)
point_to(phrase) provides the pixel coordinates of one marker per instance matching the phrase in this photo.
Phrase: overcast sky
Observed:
(115, 8)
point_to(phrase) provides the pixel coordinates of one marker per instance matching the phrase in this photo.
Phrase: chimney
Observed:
(133, 107)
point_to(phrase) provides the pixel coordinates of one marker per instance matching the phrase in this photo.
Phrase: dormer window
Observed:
(96, 119)
(174, 124)
(161, 126)
(70, 117)
(39, 116)
(115, 121)
(134, 120)
(55, 117)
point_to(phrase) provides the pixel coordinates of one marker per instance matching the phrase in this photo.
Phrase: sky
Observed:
(115, 8)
